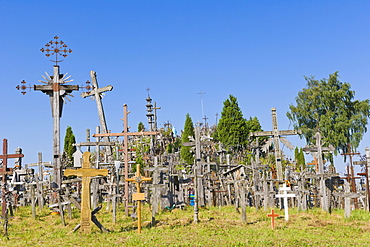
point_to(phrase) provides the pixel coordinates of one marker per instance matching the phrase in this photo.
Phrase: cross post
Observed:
(86, 172)
(138, 196)
(272, 216)
(285, 196)
(126, 134)
(276, 135)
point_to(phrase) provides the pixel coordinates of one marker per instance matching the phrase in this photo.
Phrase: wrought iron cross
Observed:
(56, 47)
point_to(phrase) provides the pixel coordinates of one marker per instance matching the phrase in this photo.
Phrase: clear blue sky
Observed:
(258, 51)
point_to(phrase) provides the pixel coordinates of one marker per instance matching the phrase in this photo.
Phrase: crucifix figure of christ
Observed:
(86, 172)
(126, 134)
(97, 93)
(138, 196)
(4, 171)
(276, 138)
(57, 91)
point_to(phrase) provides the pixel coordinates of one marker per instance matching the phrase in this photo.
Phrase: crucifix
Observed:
(126, 134)
(97, 93)
(285, 196)
(351, 173)
(138, 196)
(57, 91)
(276, 137)
(86, 172)
(4, 171)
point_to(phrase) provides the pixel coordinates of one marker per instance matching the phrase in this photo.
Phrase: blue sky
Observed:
(258, 51)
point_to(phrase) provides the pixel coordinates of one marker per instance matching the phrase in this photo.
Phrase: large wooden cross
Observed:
(86, 172)
(138, 196)
(126, 134)
(97, 92)
(276, 135)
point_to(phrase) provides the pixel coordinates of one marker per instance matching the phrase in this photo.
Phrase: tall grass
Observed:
(217, 227)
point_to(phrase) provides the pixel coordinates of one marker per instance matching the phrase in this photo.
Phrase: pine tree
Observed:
(232, 130)
(185, 153)
(140, 127)
(69, 149)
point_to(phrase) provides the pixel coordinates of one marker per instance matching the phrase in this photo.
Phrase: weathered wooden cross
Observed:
(276, 135)
(285, 196)
(319, 150)
(86, 172)
(272, 216)
(97, 93)
(126, 134)
(4, 171)
(56, 89)
(138, 196)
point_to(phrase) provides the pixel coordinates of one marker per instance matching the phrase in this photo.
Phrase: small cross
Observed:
(285, 196)
(272, 216)
(138, 180)
(86, 172)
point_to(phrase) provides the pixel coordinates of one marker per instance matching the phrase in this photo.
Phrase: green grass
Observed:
(217, 227)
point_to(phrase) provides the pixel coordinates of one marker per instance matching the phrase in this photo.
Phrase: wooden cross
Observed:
(138, 196)
(97, 93)
(126, 134)
(272, 216)
(276, 135)
(4, 171)
(56, 90)
(86, 172)
(285, 196)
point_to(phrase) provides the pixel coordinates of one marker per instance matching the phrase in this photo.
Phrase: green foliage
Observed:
(69, 149)
(299, 158)
(328, 105)
(140, 127)
(232, 130)
(185, 153)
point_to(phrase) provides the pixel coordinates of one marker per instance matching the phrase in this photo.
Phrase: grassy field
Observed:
(217, 227)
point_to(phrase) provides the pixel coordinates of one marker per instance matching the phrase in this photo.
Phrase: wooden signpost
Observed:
(138, 196)
(86, 172)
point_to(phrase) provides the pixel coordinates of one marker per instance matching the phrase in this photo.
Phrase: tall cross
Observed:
(138, 196)
(56, 89)
(319, 150)
(276, 135)
(97, 92)
(86, 172)
(4, 171)
(126, 134)
(285, 196)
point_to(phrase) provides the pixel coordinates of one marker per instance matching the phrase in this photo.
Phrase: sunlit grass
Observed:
(216, 227)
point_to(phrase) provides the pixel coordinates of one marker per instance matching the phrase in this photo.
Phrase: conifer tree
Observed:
(69, 149)
(140, 127)
(185, 153)
(232, 128)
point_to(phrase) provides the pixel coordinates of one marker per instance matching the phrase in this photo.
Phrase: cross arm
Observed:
(86, 172)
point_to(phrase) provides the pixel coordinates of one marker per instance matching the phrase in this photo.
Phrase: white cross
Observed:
(285, 195)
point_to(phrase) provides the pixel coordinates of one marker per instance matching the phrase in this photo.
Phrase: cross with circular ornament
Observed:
(56, 47)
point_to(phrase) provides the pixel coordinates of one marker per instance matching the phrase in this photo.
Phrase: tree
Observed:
(232, 128)
(328, 106)
(69, 149)
(185, 153)
(299, 158)
(140, 127)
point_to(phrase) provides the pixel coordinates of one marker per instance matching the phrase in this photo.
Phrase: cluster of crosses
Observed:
(215, 179)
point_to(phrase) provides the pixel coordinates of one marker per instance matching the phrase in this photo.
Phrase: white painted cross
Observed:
(285, 196)
(77, 158)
